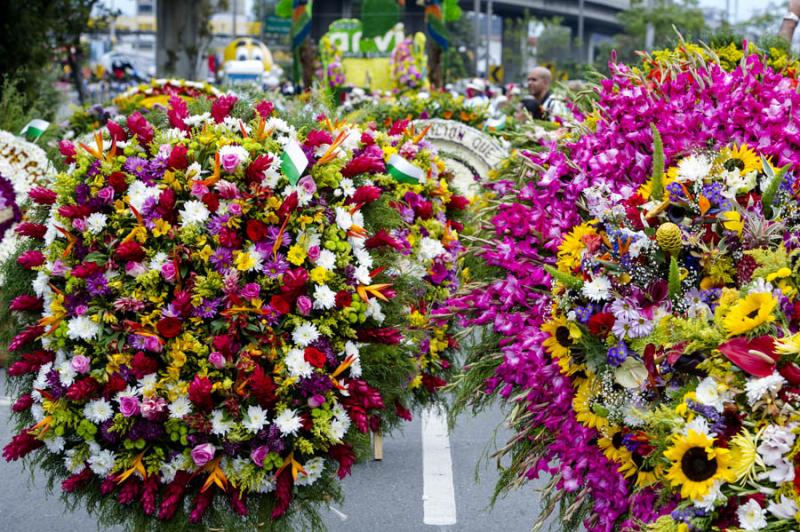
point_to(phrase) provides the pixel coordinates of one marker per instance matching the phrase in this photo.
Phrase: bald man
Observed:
(544, 105)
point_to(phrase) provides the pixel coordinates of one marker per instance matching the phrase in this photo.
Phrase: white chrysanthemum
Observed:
(362, 275)
(72, 461)
(158, 260)
(598, 289)
(430, 248)
(169, 469)
(219, 425)
(785, 509)
(324, 297)
(337, 430)
(196, 120)
(82, 328)
(55, 445)
(180, 407)
(297, 365)
(305, 333)
(776, 441)
(66, 373)
(374, 310)
(758, 388)
(343, 219)
(96, 222)
(194, 211)
(347, 186)
(362, 255)
(694, 168)
(98, 411)
(101, 463)
(313, 470)
(327, 259)
(288, 422)
(708, 394)
(700, 426)
(751, 516)
(255, 419)
(139, 193)
(41, 284)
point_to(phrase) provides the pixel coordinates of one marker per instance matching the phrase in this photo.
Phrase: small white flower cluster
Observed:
(776, 442)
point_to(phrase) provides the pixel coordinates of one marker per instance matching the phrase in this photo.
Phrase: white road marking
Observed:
(438, 492)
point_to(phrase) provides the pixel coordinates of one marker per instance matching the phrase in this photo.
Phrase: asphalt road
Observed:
(384, 496)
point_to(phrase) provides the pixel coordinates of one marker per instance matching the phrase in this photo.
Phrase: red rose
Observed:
(200, 393)
(169, 327)
(117, 182)
(142, 365)
(74, 211)
(600, 324)
(211, 199)
(280, 304)
(42, 196)
(114, 385)
(177, 158)
(424, 209)
(31, 259)
(315, 357)
(116, 131)
(83, 389)
(343, 299)
(140, 127)
(130, 251)
(32, 230)
(256, 230)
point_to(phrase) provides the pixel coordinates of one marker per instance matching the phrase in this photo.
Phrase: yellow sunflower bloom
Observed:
(571, 249)
(583, 404)
(697, 464)
(742, 157)
(563, 334)
(749, 313)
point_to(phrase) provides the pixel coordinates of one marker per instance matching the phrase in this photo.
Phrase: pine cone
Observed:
(745, 268)
(668, 237)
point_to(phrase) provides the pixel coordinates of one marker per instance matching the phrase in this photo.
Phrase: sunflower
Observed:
(697, 464)
(742, 157)
(646, 474)
(749, 313)
(586, 411)
(563, 334)
(571, 249)
(611, 444)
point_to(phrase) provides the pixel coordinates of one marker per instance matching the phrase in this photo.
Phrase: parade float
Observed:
(219, 310)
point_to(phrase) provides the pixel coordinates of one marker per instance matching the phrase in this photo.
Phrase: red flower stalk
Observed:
(173, 495)
(365, 194)
(432, 383)
(364, 164)
(177, 158)
(200, 393)
(31, 230)
(108, 485)
(26, 302)
(83, 389)
(85, 270)
(29, 334)
(262, 387)
(237, 500)
(318, 137)
(22, 403)
(20, 445)
(458, 203)
(129, 491)
(177, 112)
(382, 238)
(149, 494)
(264, 109)
(31, 259)
(67, 149)
(283, 493)
(255, 170)
(382, 335)
(30, 362)
(78, 480)
(201, 504)
(343, 454)
(288, 206)
(116, 131)
(402, 412)
(42, 196)
(140, 127)
(222, 107)
(74, 211)
(130, 251)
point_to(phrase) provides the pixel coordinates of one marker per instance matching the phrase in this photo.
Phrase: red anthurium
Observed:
(757, 356)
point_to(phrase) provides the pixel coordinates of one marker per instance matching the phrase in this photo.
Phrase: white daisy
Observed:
(96, 222)
(430, 248)
(66, 373)
(313, 470)
(305, 333)
(327, 259)
(101, 463)
(324, 297)
(597, 289)
(343, 219)
(194, 211)
(288, 422)
(255, 419)
(751, 516)
(82, 328)
(219, 425)
(98, 411)
(180, 407)
(297, 365)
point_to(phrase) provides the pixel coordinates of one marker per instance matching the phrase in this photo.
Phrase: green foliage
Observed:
(772, 185)
(379, 16)
(674, 279)
(570, 281)
(22, 100)
(657, 183)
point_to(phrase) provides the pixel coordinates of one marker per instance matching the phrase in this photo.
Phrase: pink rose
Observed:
(80, 363)
(80, 310)
(203, 453)
(308, 185)
(106, 194)
(235, 209)
(229, 161)
(251, 291)
(258, 454)
(79, 224)
(316, 400)
(129, 406)
(135, 269)
(217, 359)
(313, 253)
(168, 271)
(153, 408)
(198, 190)
(304, 305)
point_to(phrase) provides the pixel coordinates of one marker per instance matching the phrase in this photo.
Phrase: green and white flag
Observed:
(404, 171)
(497, 124)
(293, 161)
(35, 129)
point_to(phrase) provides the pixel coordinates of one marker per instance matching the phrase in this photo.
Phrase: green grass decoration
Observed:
(657, 179)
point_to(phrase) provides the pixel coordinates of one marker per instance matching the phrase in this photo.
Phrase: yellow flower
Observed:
(741, 157)
(613, 448)
(749, 313)
(582, 403)
(743, 447)
(697, 464)
(296, 255)
(562, 334)
(244, 261)
(161, 227)
(732, 221)
(571, 249)
(319, 275)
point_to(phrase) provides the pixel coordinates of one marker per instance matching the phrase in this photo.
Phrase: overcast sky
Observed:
(745, 7)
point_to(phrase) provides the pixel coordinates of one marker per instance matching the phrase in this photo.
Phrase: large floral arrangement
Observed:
(159, 91)
(423, 105)
(409, 65)
(222, 307)
(701, 105)
(674, 319)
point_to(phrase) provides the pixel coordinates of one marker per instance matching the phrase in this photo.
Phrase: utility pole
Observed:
(581, 44)
(488, 35)
(650, 31)
(234, 18)
(476, 10)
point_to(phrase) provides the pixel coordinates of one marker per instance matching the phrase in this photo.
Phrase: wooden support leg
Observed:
(377, 446)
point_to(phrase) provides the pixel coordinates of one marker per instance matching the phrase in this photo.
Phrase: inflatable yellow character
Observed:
(248, 49)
